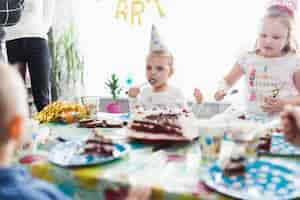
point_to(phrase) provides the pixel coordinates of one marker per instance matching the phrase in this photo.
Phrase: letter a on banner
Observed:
(122, 9)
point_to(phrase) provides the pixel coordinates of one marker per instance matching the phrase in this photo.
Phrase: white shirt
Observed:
(265, 77)
(35, 21)
(170, 98)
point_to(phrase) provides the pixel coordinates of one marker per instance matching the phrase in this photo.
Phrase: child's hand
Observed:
(290, 120)
(272, 105)
(198, 95)
(219, 95)
(133, 92)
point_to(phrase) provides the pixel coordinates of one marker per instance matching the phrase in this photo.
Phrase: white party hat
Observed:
(156, 43)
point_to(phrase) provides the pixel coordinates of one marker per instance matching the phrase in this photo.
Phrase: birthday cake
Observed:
(163, 124)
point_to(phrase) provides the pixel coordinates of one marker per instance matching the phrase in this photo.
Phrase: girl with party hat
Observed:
(159, 69)
(272, 69)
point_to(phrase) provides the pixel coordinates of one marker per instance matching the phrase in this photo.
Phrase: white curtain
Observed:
(205, 37)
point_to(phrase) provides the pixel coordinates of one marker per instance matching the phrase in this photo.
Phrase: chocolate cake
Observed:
(232, 158)
(158, 123)
(99, 145)
(265, 143)
(163, 124)
(235, 167)
(242, 117)
(90, 123)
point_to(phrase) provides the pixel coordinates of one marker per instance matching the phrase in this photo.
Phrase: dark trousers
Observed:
(35, 53)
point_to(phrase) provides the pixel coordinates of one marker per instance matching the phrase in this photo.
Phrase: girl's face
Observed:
(158, 70)
(272, 38)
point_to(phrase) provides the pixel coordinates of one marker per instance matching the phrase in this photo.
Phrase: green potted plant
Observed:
(114, 87)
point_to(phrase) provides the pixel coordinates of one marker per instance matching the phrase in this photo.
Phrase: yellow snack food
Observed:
(62, 111)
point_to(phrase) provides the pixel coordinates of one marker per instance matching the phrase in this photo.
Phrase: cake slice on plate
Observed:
(232, 159)
(99, 145)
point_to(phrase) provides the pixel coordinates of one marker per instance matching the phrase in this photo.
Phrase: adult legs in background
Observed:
(15, 53)
(35, 52)
(39, 64)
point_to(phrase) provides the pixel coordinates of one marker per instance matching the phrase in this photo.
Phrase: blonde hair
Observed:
(12, 96)
(164, 53)
(287, 20)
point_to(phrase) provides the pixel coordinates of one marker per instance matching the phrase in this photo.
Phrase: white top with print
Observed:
(268, 77)
(170, 98)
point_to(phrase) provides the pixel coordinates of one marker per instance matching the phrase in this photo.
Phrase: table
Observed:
(172, 173)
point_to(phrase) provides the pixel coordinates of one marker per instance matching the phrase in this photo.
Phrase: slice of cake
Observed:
(265, 138)
(236, 166)
(242, 117)
(99, 145)
(264, 143)
(232, 159)
(101, 123)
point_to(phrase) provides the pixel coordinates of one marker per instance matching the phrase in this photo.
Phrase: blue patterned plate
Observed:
(262, 179)
(280, 147)
(67, 154)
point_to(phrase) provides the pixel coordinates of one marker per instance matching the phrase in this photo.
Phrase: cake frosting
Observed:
(99, 145)
(232, 158)
(101, 123)
(164, 122)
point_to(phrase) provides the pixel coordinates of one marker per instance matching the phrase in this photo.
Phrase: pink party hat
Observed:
(288, 5)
